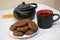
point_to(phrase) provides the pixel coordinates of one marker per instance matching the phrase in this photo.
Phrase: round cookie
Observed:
(17, 33)
(29, 32)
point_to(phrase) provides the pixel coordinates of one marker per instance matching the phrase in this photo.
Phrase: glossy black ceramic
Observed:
(46, 21)
(25, 11)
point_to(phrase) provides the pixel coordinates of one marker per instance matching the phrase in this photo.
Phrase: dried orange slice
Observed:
(7, 16)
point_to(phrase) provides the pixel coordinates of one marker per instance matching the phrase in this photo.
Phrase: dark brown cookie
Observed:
(32, 26)
(17, 33)
(16, 24)
(12, 28)
(21, 23)
(29, 32)
(23, 29)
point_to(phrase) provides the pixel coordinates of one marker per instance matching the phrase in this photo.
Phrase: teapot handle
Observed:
(31, 4)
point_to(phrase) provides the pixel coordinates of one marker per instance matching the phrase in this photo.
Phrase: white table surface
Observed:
(52, 33)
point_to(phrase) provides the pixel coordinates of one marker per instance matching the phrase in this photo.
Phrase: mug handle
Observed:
(34, 4)
(57, 18)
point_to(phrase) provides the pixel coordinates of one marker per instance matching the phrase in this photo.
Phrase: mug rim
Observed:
(46, 11)
(44, 15)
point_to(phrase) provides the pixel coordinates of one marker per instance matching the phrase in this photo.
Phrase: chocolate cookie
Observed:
(21, 23)
(16, 24)
(29, 32)
(12, 28)
(17, 33)
(32, 26)
(23, 29)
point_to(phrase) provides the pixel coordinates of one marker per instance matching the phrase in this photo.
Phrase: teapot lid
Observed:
(24, 6)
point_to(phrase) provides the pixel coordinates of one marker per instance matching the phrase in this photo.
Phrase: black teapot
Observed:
(25, 11)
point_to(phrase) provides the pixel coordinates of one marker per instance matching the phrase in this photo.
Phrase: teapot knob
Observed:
(23, 3)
